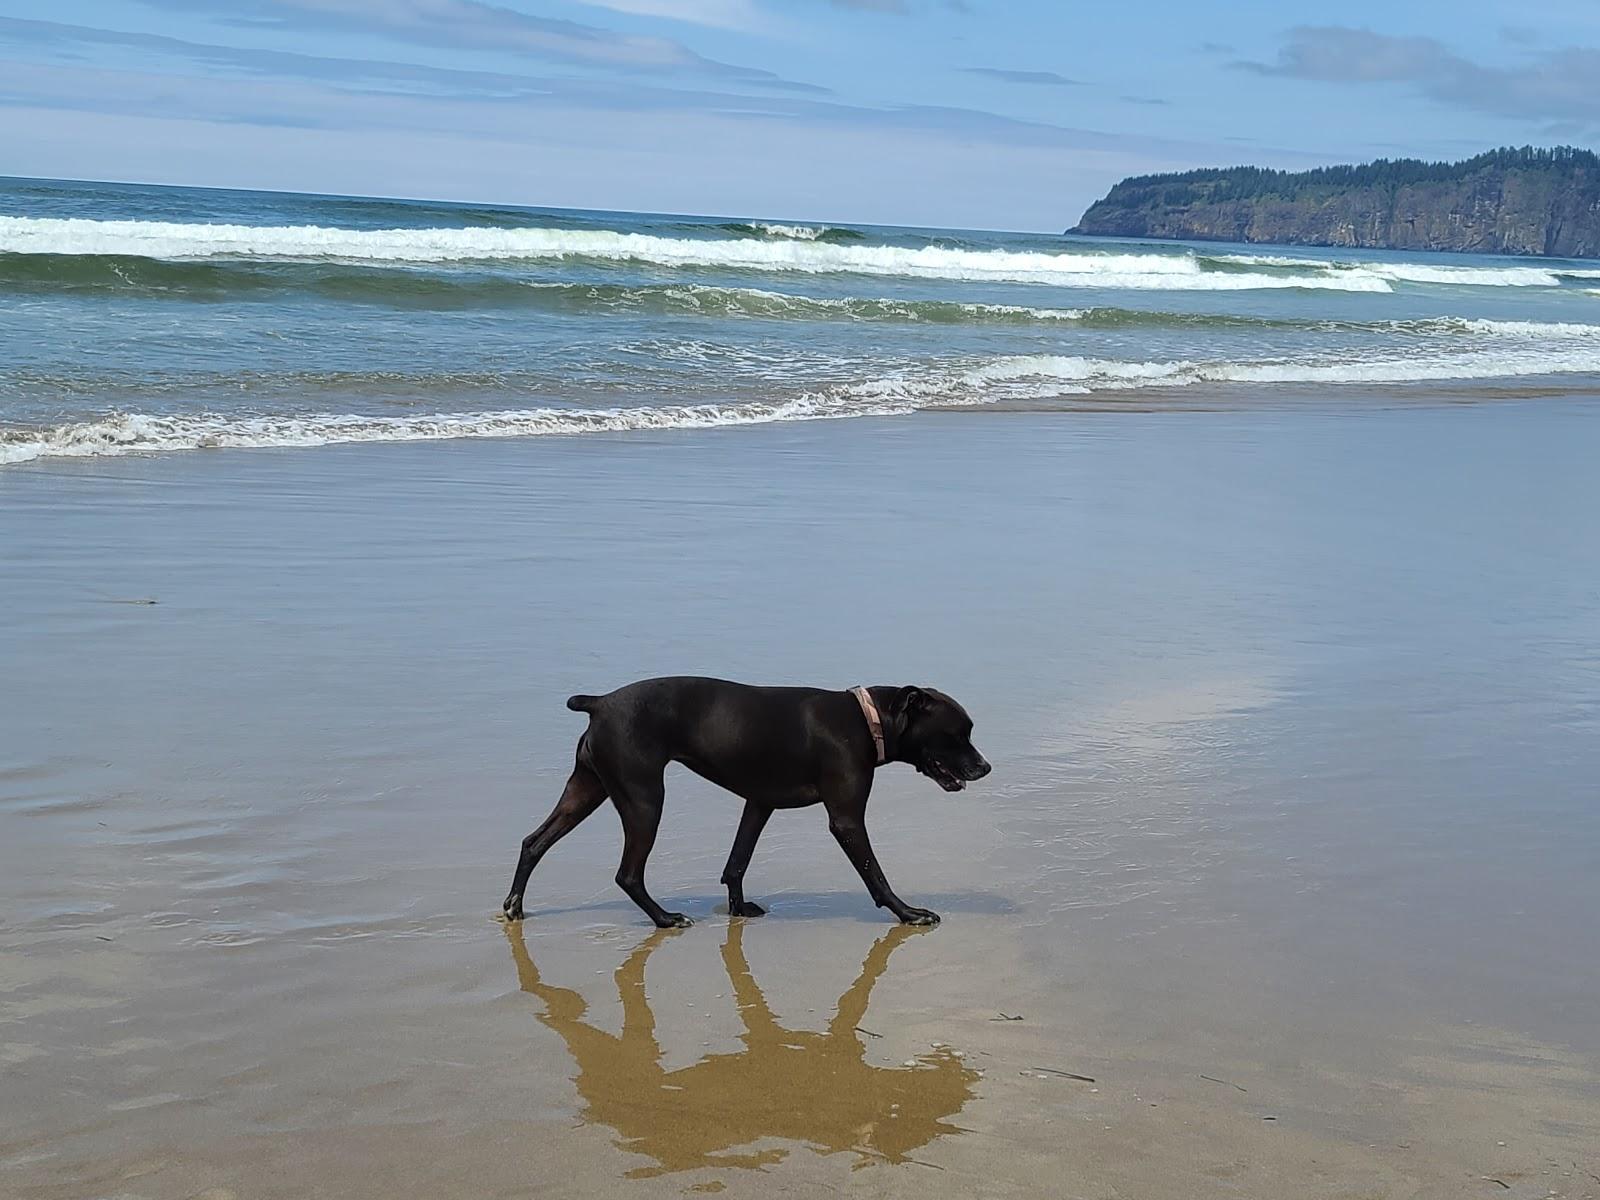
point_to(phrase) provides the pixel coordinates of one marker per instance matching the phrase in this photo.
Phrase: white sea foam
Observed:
(1522, 349)
(800, 233)
(1465, 276)
(1523, 329)
(159, 239)
(1273, 260)
(760, 302)
(1038, 373)
(1403, 272)
(137, 433)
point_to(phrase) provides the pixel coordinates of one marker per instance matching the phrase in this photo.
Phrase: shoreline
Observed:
(139, 435)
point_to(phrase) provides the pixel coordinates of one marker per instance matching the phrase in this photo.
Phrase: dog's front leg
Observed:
(849, 829)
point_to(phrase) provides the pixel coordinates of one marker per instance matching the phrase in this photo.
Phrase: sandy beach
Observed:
(1289, 852)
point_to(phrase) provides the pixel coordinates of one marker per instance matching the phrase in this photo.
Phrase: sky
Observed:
(960, 113)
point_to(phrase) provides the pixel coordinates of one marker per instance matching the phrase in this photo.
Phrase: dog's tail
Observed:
(582, 703)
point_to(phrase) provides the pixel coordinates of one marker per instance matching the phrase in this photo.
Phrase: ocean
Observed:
(155, 319)
(1269, 578)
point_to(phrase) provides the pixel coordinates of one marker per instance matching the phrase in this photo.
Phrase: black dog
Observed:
(775, 747)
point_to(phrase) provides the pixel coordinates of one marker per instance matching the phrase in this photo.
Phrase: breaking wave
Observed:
(109, 246)
(799, 233)
(219, 280)
(180, 241)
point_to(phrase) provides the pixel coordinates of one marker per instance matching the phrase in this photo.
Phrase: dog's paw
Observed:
(674, 921)
(919, 916)
(747, 909)
(512, 907)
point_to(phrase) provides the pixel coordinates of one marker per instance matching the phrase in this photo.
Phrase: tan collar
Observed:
(874, 722)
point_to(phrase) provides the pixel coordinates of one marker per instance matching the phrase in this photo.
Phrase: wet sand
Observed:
(1291, 846)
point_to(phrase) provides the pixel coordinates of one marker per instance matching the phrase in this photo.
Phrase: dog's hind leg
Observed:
(751, 824)
(639, 804)
(583, 794)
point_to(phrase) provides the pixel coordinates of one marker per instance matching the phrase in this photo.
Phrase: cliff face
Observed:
(1541, 202)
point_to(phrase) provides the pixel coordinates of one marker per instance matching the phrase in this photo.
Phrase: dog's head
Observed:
(934, 734)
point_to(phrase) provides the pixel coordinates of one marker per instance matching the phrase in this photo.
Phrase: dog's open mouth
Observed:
(942, 775)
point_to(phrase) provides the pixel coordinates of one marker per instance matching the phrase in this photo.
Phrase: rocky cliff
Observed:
(1527, 201)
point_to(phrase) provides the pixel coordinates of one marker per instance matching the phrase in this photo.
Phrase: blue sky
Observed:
(945, 112)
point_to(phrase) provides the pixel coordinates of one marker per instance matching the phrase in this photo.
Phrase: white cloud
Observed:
(717, 14)
(472, 25)
(1554, 85)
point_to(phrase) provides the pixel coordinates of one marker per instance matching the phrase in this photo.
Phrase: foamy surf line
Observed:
(140, 433)
(1038, 377)
(1403, 272)
(166, 240)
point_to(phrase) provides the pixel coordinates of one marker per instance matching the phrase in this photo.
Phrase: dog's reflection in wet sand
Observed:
(789, 1085)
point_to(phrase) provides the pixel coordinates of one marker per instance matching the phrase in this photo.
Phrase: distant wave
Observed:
(1402, 272)
(1515, 349)
(1513, 329)
(1476, 276)
(1266, 260)
(166, 240)
(216, 280)
(798, 233)
(449, 288)
(757, 246)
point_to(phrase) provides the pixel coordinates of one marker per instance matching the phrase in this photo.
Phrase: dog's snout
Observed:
(981, 769)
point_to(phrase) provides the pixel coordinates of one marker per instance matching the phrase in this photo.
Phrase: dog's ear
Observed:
(911, 701)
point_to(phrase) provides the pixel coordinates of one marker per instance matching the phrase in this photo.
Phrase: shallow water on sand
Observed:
(1290, 847)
